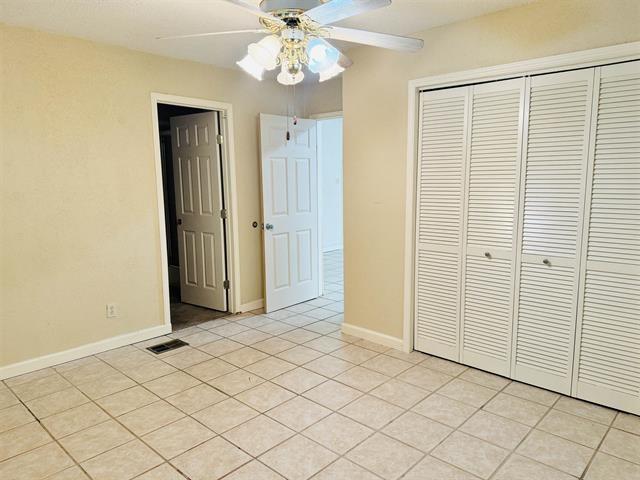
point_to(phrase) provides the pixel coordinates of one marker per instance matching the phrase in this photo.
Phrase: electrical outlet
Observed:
(112, 310)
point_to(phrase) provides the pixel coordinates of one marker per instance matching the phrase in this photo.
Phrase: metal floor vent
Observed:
(166, 346)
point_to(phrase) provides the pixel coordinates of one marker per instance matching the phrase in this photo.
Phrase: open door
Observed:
(290, 210)
(199, 208)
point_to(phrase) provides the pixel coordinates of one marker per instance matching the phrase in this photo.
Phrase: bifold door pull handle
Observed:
(546, 261)
(487, 254)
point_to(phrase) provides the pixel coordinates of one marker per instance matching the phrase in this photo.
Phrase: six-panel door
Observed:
(198, 186)
(290, 210)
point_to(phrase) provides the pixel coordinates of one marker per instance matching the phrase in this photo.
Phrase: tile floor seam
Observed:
(379, 432)
(57, 442)
(434, 447)
(373, 433)
(53, 440)
(597, 449)
(134, 435)
(35, 420)
(457, 429)
(378, 353)
(514, 450)
(374, 430)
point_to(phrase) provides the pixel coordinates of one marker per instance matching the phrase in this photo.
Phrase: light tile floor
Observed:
(286, 395)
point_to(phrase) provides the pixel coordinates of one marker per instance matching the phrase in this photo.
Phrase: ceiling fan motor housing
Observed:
(275, 5)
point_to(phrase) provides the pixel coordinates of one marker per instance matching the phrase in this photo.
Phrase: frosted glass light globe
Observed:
(266, 52)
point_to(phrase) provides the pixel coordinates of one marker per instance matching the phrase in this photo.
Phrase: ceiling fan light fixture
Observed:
(331, 72)
(296, 30)
(253, 68)
(288, 76)
(266, 51)
(322, 56)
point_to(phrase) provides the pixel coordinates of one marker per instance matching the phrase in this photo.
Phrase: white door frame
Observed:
(230, 195)
(581, 59)
(323, 116)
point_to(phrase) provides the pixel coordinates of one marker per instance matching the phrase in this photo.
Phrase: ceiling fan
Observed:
(297, 32)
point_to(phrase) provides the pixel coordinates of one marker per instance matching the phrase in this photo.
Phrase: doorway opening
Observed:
(196, 208)
(302, 219)
(330, 201)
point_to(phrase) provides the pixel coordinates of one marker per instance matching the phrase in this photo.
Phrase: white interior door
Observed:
(290, 211)
(552, 192)
(491, 224)
(607, 361)
(439, 219)
(198, 183)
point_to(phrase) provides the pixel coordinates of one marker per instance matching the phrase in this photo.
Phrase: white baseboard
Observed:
(372, 336)
(57, 358)
(247, 307)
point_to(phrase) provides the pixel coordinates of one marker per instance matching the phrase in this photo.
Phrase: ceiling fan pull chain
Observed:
(295, 117)
(288, 135)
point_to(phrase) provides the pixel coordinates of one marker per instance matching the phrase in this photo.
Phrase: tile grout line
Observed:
(377, 354)
(532, 429)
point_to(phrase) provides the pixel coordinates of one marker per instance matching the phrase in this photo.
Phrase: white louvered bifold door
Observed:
(552, 193)
(608, 354)
(491, 224)
(439, 210)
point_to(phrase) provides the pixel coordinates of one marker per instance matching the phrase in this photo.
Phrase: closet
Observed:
(528, 230)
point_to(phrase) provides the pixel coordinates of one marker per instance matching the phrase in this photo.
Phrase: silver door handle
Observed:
(268, 226)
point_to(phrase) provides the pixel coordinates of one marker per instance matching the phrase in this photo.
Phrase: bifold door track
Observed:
(166, 346)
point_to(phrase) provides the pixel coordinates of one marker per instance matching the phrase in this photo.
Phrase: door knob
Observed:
(268, 226)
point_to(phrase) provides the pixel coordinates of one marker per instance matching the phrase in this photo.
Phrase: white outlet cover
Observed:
(112, 310)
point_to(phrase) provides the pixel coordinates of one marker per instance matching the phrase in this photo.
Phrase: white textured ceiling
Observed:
(135, 23)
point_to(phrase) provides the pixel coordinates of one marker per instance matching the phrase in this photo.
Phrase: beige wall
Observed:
(78, 189)
(375, 125)
(323, 97)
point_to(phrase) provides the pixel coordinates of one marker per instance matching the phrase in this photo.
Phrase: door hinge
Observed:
(223, 213)
(226, 284)
(219, 139)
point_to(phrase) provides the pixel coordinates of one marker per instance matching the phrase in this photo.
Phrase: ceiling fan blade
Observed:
(211, 34)
(383, 40)
(254, 10)
(336, 10)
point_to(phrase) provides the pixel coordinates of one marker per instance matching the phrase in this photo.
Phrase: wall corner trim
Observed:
(254, 305)
(65, 356)
(372, 336)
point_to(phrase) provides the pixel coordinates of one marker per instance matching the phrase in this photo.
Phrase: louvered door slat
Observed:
(442, 147)
(491, 224)
(553, 177)
(608, 355)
